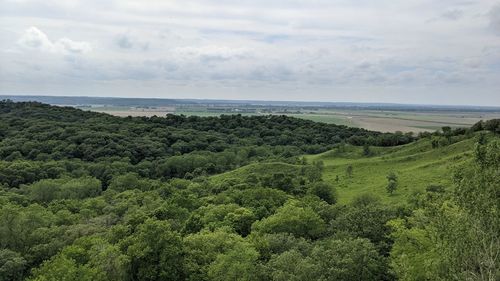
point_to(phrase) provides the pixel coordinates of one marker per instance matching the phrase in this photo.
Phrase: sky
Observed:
(411, 51)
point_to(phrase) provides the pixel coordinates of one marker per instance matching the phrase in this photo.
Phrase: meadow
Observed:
(417, 166)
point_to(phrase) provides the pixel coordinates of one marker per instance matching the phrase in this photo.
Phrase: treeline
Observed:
(63, 140)
(32, 131)
(15, 172)
(448, 135)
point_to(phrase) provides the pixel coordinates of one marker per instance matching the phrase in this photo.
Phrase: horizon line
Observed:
(259, 100)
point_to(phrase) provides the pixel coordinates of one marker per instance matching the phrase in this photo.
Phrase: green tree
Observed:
(155, 252)
(20, 227)
(349, 171)
(324, 191)
(224, 215)
(46, 190)
(391, 186)
(492, 125)
(294, 266)
(366, 150)
(320, 165)
(261, 200)
(280, 181)
(80, 188)
(293, 218)
(89, 257)
(203, 248)
(126, 182)
(366, 217)
(272, 244)
(240, 220)
(413, 255)
(61, 268)
(238, 264)
(349, 259)
(109, 262)
(392, 182)
(313, 173)
(12, 266)
(447, 132)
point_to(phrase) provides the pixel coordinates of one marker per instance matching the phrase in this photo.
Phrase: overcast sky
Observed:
(411, 51)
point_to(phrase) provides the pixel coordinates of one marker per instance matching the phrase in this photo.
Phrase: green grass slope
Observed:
(257, 169)
(417, 166)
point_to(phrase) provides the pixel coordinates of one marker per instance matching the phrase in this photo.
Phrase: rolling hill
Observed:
(417, 165)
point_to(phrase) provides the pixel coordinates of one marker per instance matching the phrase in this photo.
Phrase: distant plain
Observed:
(377, 120)
(372, 116)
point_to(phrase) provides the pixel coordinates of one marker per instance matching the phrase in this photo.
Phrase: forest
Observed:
(90, 196)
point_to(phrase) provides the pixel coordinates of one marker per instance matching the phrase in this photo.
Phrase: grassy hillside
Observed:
(261, 169)
(417, 166)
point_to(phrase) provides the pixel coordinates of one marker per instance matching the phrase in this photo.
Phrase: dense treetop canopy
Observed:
(89, 196)
(65, 132)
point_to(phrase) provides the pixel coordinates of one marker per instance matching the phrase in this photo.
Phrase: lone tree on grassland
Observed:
(348, 171)
(366, 150)
(392, 182)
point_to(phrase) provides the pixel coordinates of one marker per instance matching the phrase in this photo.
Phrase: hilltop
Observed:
(417, 165)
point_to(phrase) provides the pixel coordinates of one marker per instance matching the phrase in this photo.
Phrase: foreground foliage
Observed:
(454, 236)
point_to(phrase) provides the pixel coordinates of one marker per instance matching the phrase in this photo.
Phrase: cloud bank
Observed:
(333, 50)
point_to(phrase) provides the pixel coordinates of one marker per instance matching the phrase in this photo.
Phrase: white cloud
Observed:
(319, 49)
(68, 45)
(34, 38)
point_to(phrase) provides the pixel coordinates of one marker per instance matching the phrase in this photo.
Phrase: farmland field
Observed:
(376, 117)
(376, 120)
